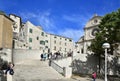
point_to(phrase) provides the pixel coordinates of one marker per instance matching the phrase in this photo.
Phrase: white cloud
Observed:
(49, 23)
(46, 21)
(72, 33)
(76, 18)
(42, 18)
(28, 15)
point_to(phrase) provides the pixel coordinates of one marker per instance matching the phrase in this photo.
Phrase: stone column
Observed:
(67, 72)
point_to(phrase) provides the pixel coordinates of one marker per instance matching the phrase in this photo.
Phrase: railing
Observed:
(61, 67)
(57, 67)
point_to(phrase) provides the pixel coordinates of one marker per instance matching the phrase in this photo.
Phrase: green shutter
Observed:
(30, 30)
(42, 34)
(42, 42)
(30, 39)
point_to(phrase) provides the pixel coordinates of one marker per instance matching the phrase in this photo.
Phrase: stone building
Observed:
(34, 36)
(60, 43)
(90, 29)
(46, 42)
(18, 33)
(6, 37)
(28, 36)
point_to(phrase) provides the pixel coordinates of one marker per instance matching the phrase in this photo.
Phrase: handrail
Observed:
(57, 67)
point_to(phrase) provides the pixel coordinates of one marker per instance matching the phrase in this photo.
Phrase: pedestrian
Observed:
(94, 76)
(44, 56)
(10, 69)
(41, 57)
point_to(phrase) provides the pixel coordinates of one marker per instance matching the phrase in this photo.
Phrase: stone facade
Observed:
(89, 33)
(88, 62)
(6, 37)
(17, 23)
(62, 44)
(5, 32)
(36, 38)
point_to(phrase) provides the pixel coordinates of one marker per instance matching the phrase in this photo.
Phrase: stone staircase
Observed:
(35, 70)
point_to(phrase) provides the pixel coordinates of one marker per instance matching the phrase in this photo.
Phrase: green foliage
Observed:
(109, 32)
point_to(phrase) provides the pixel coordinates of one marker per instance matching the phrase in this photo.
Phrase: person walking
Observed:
(41, 57)
(94, 76)
(10, 69)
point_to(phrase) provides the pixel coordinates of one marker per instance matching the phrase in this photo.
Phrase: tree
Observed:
(109, 32)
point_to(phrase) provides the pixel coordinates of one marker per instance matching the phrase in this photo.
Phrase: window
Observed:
(46, 46)
(54, 47)
(70, 40)
(54, 42)
(30, 47)
(42, 34)
(42, 42)
(55, 37)
(81, 50)
(95, 21)
(46, 41)
(30, 39)
(37, 38)
(30, 31)
(65, 39)
(65, 44)
(60, 38)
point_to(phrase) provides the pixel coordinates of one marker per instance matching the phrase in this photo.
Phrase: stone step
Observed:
(35, 71)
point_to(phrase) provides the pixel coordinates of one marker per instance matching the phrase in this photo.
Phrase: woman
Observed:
(94, 76)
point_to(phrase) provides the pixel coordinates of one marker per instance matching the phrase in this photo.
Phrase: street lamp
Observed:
(106, 46)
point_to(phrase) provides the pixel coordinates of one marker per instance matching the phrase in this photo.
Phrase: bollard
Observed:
(67, 72)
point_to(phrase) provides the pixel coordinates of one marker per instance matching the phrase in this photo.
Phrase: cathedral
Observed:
(90, 29)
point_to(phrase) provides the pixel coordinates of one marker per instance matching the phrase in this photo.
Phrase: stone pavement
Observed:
(36, 70)
(84, 79)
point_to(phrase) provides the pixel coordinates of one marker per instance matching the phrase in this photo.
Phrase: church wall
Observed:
(85, 64)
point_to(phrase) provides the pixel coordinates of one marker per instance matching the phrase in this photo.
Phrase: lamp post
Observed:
(106, 46)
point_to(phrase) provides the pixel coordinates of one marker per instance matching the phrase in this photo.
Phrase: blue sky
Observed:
(61, 17)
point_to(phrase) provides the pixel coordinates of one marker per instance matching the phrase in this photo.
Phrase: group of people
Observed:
(45, 56)
(56, 55)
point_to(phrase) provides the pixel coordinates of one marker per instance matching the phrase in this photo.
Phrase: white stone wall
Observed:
(16, 23)
(25, 35)
(89, 27)
(61, 44)
(6, 54)
(36, 32)
(85, 64)
(19, 55)
(65, 62)
(47, 43)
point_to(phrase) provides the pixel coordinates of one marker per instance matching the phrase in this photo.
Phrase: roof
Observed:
(59, 36)
(90, 22)
(1, 13)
